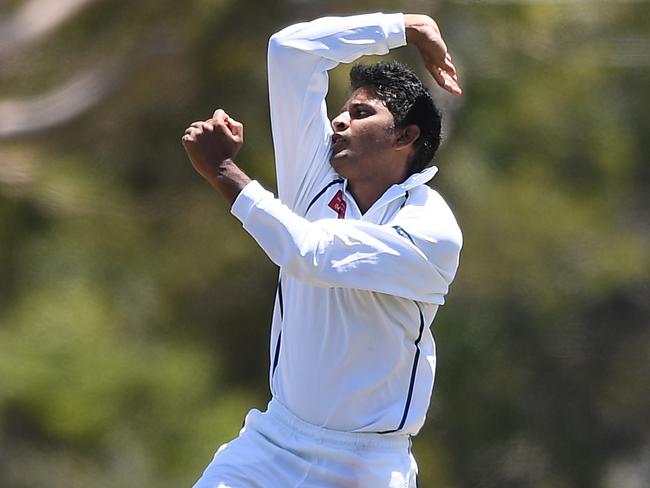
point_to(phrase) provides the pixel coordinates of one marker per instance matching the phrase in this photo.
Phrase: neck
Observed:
(366, 194)
(368, 188)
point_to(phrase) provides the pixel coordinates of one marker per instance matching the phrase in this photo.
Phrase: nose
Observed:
(341, 122)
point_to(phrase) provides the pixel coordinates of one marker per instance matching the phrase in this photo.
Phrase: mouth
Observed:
(338, 143)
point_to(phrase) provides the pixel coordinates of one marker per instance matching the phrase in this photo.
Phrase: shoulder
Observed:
(425, 202)
(428, 214)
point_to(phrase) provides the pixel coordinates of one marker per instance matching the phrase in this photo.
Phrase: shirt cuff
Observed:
(252, 193)
(393, 25)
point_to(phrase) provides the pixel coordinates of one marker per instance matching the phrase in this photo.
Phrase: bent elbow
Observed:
(281, 40)
(275, 46)
(280, 51)
(276, 41)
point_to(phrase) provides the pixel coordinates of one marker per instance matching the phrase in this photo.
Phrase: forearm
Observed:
(228, 179)
(341, 39)
(351, 253)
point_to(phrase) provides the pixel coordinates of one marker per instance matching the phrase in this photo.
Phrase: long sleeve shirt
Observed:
(351, 348)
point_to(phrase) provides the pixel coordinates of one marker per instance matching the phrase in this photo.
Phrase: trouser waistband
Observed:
(363, 440)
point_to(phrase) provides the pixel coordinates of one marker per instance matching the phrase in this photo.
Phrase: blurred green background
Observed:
(134, 311)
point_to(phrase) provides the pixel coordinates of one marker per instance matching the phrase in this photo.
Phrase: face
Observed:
(364, 138)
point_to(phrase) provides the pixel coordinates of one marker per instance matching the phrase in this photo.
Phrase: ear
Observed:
(406, 136)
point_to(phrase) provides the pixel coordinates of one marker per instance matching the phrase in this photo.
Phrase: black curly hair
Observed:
(408, 100)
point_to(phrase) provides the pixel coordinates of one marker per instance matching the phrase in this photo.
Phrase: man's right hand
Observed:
(211, 142)
(423, 33)
(211, 146)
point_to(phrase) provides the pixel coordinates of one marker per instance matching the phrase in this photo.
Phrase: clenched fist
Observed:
(211, 146)
(208, 144)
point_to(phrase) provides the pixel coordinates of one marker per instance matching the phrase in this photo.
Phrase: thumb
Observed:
(237, 128)
(219, 115)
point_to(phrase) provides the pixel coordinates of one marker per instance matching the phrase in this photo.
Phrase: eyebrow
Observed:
(357, 104)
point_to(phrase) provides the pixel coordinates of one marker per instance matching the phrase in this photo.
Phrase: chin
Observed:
(340, 163)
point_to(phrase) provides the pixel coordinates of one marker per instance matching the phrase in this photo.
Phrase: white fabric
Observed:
(298, 59)
(275, 449)
(351, 348)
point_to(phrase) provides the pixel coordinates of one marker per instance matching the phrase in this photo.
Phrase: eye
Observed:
(359, 112)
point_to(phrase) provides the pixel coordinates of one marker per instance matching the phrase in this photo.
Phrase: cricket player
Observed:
(366, 252)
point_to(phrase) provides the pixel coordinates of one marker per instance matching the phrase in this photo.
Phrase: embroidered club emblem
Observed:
(338, 204)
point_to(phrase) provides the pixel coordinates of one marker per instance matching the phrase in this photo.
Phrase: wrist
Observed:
(229, 179)
(416, 27)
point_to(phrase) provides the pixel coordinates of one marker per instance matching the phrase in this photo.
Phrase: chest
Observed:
(333, 201)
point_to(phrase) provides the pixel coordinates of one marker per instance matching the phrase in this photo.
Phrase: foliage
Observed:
(134, 311)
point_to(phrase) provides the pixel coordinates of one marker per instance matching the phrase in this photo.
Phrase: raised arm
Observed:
(299, 58)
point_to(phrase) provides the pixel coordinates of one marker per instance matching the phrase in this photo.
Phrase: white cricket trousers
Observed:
(275, 449)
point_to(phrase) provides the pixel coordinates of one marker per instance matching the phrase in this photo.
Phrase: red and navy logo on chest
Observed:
(337, 203)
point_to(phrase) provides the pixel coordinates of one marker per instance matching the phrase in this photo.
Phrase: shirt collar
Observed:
(416, 179)
(420, 178)
(398, 190)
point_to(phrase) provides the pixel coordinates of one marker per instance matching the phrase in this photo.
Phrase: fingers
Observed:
(444, 72)
(220, 115)
(451, 77)
(220, 122)
(438, 61)
(446, 80)
(196, 129)
(450, 83)
(446, 75)
(190, 134)
(206, 126)
(449, 66)
(439, 77)
(236, 128)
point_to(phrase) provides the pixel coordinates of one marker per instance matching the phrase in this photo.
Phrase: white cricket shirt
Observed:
(350, 347)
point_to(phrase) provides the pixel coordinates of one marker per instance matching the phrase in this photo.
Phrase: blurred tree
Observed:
(134, 311)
